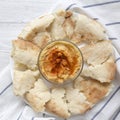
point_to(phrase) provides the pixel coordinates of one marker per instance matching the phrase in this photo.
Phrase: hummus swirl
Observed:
(60, 61)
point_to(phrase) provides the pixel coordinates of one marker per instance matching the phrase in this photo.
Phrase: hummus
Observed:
(60, 61)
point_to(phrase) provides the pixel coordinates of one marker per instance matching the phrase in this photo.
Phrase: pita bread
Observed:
(68, 26)
(64, 25)
(23, 81)
(99, 69)
(97, 53)
(89, 30)
(93, 90)
(76, 27)
(38, 96)
(56, 30)
(41, 39)
(57, 104)
(26, 53)
(36, 26)
(63, 104)
(76, 101)
(103, 72)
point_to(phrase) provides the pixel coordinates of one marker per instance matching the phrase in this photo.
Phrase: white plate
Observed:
(76, 117)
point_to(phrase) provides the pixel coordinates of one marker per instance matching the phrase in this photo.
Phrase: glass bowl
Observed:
(60, 62)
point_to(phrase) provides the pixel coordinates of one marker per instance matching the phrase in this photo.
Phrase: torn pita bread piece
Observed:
(23, 68)
(63, 25)
(42, 39)
(23, 81)
(57, 104)
(69, 25)
(25, 52)
(88, 30)
(93, 90)
(98, 53)
(56, 30)
(38, 96)
(38, 25)
(76, 101)
(103, 72)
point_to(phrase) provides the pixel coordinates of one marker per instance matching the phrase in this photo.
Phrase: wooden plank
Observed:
(9, 32)
(23, 10)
